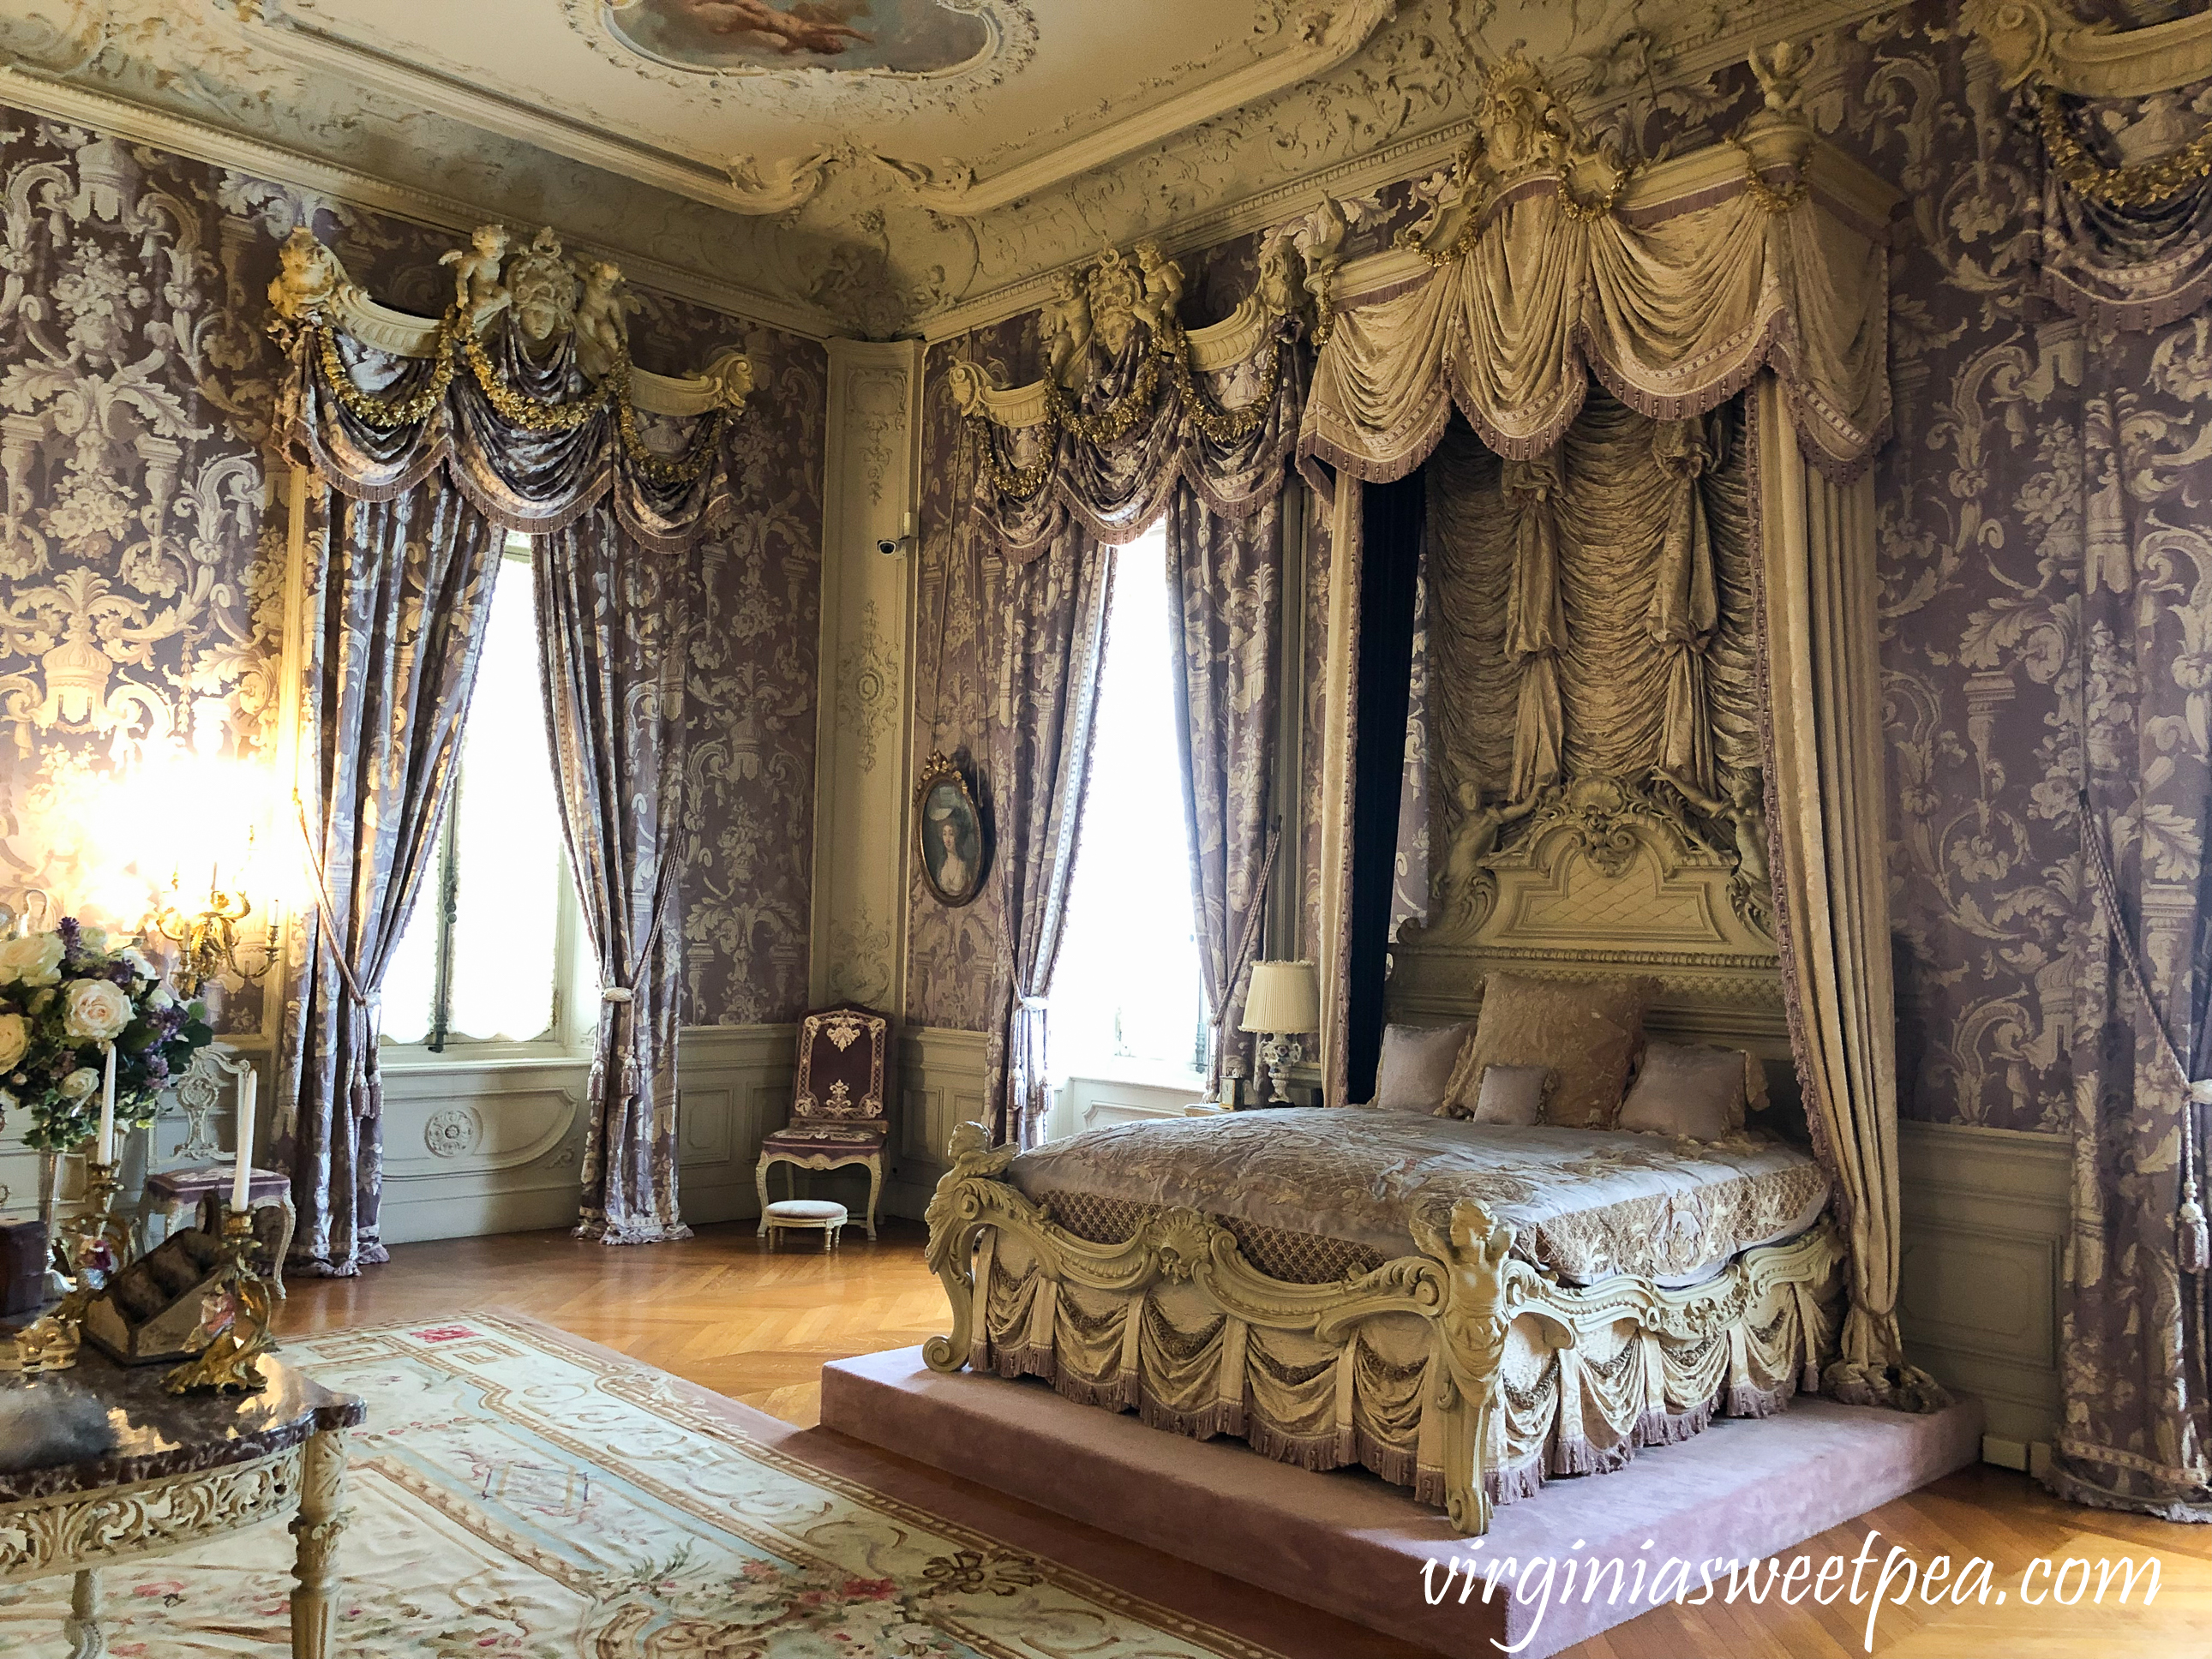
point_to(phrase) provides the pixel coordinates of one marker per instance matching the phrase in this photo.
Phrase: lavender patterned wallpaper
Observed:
(1980, 561)
(141, 544)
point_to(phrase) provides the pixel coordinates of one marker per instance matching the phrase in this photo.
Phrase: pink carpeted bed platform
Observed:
(1348, 1543)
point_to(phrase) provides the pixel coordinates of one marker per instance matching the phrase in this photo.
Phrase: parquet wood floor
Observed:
(755, 1326)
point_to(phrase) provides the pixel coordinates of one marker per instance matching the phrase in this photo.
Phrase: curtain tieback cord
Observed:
(2192, 1237)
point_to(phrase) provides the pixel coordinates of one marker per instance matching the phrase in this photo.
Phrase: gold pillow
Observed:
(1587, 1033)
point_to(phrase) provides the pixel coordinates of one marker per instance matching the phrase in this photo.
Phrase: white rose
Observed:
(95, 1008)
(139, 964)
(80, 1083)
(15, 1037)
(34, 959)
(161, 999)
(93, 939)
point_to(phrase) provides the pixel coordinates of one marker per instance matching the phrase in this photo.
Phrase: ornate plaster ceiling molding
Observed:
(61, 101)
(1318, 36)
(2040, 40)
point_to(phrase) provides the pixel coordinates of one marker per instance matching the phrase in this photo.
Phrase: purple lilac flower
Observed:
(72, 940)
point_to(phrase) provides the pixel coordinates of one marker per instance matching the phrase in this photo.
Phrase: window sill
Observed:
(417, 1062)
(1137, 1075)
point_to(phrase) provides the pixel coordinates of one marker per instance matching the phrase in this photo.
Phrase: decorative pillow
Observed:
(1417, 1065)
(1689, 1089)
(1513, 1095)
(1588, 1033)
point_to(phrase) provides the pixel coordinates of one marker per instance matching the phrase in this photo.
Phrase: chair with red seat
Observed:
(837, 1113)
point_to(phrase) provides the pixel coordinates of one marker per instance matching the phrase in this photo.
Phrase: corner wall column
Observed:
(872, 487)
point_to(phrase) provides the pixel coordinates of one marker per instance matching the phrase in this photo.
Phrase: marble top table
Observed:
(183, 1470)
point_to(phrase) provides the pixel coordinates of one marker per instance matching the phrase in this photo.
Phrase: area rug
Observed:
(517, 1496)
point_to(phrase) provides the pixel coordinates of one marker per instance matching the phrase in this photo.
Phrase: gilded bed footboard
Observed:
(1492, 1370)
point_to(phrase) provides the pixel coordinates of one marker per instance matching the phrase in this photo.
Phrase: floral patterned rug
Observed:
(515, 1497)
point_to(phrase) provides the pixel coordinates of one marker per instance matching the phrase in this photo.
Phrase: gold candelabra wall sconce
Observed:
(207, 939)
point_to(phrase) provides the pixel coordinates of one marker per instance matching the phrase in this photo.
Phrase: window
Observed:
(493, 939)
(1128, 999)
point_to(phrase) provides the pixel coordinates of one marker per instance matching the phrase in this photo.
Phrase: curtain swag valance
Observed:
(1132, 402)
(2126, 239)
(524, 390)
(1544, 260)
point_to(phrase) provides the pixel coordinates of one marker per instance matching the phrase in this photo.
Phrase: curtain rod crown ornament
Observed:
(549, 292)
(2041, 40)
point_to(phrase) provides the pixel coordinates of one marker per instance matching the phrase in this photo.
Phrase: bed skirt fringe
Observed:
(1584, 1407)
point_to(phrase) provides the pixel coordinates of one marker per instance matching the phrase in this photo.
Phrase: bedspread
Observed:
(1583, 1204)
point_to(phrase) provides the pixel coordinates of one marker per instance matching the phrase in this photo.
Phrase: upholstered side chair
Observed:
(837, 1115)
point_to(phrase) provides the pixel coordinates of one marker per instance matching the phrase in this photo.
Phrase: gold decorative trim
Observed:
(78, 1529)
(2142, 184)
(1100, 307)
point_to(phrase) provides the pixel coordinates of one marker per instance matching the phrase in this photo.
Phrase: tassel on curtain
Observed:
(1535, 626)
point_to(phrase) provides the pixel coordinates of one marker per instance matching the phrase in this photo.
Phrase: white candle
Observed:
(107, 1151)
(241, 1177)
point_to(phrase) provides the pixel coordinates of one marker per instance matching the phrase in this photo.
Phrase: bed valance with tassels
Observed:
(1132, 402)
(524, 390)
(1543, 261)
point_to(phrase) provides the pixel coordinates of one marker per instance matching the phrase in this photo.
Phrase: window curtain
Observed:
(1157, 427)
(1225, 632)
(1052, 648)
(2137, 1314)
(398, 594)
(612, 621)
(425, 463)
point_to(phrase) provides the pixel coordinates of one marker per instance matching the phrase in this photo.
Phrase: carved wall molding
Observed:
(2043, 40)
(867, 688)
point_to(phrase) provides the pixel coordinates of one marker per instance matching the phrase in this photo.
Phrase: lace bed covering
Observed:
(1585, 1204)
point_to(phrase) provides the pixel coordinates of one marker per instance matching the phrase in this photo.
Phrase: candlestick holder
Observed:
(87, 1251)
(235, 1311)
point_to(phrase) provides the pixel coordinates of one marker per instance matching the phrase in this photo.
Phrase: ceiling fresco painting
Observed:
(905, 37)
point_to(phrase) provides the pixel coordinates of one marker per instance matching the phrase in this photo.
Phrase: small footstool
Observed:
(815, 1214)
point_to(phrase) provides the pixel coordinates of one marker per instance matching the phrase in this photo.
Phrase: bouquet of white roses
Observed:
(64, 996)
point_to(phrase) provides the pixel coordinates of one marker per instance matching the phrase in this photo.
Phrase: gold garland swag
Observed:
(533, 413)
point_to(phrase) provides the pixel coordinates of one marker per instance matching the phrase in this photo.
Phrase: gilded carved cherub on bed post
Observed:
(1470, 1346)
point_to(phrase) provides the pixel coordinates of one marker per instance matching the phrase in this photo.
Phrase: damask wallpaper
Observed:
(141, 549)
(1981, 552)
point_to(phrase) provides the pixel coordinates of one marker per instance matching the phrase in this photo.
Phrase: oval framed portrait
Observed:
(951, 839)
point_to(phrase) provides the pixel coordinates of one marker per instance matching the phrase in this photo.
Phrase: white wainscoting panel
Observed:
(737, 1092)
(1985, 1216)
(942, 1075)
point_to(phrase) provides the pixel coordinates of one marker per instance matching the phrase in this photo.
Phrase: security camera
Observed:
(899, 546)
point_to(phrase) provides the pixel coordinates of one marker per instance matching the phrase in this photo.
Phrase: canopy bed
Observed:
(1650, 749)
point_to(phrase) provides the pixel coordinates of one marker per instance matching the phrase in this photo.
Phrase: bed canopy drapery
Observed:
(1754, 269)
(1137, 421)
(426, 440)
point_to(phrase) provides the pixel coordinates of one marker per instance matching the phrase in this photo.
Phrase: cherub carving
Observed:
(1065, 326)
(308, 277)
(1780, 68)
(602, 314)
(1480, 825)
(1163, 301)
(476, 287)
(1744, 812)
